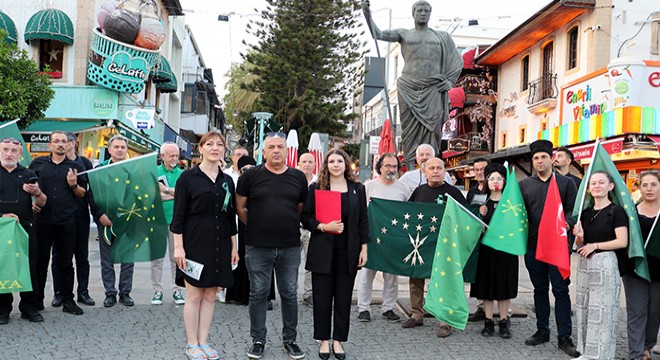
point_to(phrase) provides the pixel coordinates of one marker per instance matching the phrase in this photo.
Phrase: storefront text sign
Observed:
(613, 146)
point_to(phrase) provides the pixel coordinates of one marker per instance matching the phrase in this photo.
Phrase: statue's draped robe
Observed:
(424, 103)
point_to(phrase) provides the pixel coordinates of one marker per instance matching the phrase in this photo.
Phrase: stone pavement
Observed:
(157, 332)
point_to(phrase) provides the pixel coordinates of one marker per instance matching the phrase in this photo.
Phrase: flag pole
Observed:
(648, 238)
(586, 176)
(9, 123)
(117, 163)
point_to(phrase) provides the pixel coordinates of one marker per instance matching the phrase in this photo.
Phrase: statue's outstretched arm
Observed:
(376, 33)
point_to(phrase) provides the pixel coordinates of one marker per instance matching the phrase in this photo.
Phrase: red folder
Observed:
(328, 206)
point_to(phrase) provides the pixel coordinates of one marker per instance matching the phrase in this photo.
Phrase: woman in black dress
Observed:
(497, 271)
(337, 249)
(204, 227)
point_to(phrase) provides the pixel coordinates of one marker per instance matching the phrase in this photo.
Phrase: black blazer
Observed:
(319, 254)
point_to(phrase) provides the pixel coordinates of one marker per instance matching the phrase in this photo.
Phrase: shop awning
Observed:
(164, 77)
(136, 137)
(7, 24)
(49, 24)
(48, 126)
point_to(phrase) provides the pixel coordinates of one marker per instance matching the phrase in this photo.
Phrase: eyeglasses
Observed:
(276, 134)
(387, 166)
(59, 141)
(11, 140)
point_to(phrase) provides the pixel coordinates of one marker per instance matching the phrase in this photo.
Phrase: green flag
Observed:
(459, 233)
(601, 161)
(129, 195)
(403, 236)
(9, 129)
(14, 261)
(508, 228)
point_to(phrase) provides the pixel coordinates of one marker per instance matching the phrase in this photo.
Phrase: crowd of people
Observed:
(251, 226)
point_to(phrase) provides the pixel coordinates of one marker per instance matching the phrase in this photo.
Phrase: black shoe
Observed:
(85, 299)
(256, 351)
(505, 328)
(537, 339)
(324, 356)
(126, 300)
(479, 315)
(339, 355)
(390, 315)
(489, 328)
(4, 319)
(308, 301)
(57, 300)
(364, 316)
(34, 317)
(270, 305)
(566, 345)
(411, 323)
(110, 301)
(70, 307)
(294, 351)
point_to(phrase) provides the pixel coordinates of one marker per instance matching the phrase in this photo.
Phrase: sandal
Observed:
(195, 352)
(210, 352)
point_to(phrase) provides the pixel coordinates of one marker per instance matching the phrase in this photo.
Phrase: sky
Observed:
(222, 42)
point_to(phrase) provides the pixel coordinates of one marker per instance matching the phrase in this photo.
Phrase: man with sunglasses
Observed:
(269, 200)
(56, 221)
(17, 190)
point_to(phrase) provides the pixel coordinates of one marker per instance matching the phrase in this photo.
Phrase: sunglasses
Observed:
(11, 140)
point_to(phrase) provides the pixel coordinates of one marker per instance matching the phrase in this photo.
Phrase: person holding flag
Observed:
(643, 297)
(534, 190)
(204, 228)
(497, 271)
(602, 229)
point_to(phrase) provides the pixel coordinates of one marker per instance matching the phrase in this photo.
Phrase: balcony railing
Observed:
(542, 88)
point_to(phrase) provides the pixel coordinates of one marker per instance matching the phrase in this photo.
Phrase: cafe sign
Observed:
(140, 140)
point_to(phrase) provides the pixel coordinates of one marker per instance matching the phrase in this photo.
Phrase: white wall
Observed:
(625, 16)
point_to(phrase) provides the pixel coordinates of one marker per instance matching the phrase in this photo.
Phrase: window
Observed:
(51, 57)
(572, 50)
(525, 73)
(521, 134)
(187, 99)
(548, 70)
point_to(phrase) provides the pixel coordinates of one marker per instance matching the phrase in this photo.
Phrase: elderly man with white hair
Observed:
(415, 178)
(168, 174)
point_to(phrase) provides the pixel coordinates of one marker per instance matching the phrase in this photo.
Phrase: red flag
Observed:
(552, 245)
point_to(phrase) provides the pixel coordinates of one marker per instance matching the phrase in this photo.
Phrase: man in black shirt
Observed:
(269, 200)
(534, 191)
(434, 170)
(562, 162)
(81, 249)
(17, 189)
(56, 224)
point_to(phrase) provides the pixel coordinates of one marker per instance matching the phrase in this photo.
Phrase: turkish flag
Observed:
(552, 245)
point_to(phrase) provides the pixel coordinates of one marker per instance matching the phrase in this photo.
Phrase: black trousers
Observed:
(333, 291)
(81, 254)
(29, 301)
(63, 236)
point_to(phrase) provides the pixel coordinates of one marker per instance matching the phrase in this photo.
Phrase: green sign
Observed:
(83, 102)
(138, 139)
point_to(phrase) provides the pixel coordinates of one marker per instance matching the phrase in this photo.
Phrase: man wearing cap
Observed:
(534, 190)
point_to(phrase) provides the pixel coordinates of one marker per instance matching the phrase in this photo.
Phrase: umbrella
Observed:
(292, 148)
(316, 148)
(457, 97)
(468, 58)
(386, 144)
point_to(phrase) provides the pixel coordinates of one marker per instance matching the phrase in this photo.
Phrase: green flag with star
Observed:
(129, 195)
(403, 236)
(14, 261)
(601, 161)
(458, 236)
(509, 226)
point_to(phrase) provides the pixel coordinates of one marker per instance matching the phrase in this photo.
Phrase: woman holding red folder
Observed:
(337, 248)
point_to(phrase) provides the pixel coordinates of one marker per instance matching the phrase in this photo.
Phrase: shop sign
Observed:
(626, 81)
(654, 79)
(374, 141)
(585, 99)
(141, 119)
(83, 102)
(140, 140)
(613, 146)
(127, 67)
(36, 138)
(39, 147)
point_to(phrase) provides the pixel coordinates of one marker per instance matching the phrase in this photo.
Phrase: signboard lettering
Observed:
(654, 79)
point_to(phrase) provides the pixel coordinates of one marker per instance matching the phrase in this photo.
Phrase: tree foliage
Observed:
(306, 63)
(240, 102)
(24, 92)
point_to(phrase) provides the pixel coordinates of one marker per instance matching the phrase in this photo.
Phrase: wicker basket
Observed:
(118, 66)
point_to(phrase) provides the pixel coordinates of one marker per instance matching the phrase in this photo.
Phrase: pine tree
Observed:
(306, 63)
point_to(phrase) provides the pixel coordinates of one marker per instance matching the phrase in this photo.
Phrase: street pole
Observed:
(261, 117)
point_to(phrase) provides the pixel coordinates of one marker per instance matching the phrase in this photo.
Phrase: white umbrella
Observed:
(292, 146)
(316, 148)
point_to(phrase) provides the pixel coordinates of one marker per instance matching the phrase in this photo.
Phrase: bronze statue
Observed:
(432, 66)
